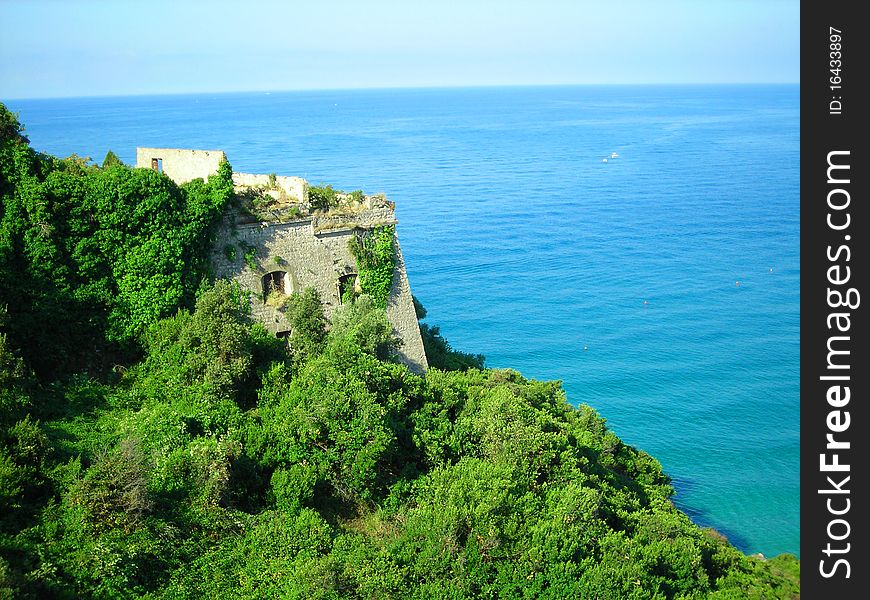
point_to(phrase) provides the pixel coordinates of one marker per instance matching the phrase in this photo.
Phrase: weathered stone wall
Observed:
(311, 258)
(312, 251)
(403, 316)
(182, 165)
(294, 188)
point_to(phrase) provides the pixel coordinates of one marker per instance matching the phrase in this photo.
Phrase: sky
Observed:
(60, 48)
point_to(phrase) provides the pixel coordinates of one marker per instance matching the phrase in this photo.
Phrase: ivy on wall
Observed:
(375, 256)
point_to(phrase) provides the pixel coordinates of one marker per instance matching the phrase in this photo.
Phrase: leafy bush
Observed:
(307, 322)
(11, 130)
(330, 418)
(367, 326)
(107, 252)
(210, 346)
(250, 257)
(114, 491)
(14, 400)
(293, 486)
(322, 197)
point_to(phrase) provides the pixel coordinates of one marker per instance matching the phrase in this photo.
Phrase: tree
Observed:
(307, 324)
(112, 160)
(107, 252)
(10, 128)
(367, 326)
(114, 491)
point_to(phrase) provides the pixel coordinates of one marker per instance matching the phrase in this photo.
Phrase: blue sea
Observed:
(661, 286)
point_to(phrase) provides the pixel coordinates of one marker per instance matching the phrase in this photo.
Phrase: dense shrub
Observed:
(222, 463)
(322, 197)
(99, 253)
(367, 326)
(114, 491)
(308, 324)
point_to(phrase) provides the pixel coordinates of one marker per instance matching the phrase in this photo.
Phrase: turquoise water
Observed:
(524, 245)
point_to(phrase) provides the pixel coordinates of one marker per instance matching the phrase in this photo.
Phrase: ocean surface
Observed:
(619, 278)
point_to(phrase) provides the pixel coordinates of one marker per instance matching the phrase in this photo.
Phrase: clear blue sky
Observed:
(52, 48)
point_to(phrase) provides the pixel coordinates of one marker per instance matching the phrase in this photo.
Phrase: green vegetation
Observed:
(322, 197)
(250, 257)
(375, 256)
(366, 325)
(255, 202)
(112, 160)
(325, 197)
(308, 323)
(90, 257)
(209, 459)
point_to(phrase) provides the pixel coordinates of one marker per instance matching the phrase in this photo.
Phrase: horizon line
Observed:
(404, 88)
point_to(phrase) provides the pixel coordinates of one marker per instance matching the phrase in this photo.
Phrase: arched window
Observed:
(275, 282)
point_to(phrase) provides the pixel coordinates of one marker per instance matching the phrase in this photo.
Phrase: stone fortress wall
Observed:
(180, 165)
(281, 188)
(295, 252)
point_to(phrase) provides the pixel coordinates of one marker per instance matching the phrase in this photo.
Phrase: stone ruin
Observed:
(275, 243)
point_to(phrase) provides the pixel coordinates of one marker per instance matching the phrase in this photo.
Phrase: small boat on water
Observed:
(604, 160)
(614, 155)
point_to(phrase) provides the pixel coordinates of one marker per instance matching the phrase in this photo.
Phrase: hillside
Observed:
(155, 443)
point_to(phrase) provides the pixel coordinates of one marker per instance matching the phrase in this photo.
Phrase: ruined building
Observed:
(276, 244)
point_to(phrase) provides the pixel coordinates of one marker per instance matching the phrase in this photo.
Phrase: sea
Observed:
(638, 243)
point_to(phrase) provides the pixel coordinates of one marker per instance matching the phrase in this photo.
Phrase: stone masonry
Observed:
(290, 251)
(180, 165)
(286, 189)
